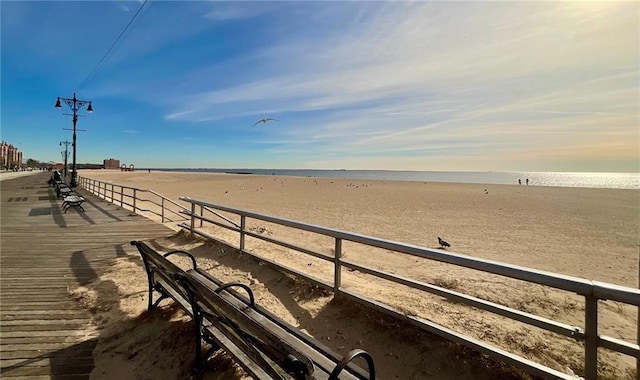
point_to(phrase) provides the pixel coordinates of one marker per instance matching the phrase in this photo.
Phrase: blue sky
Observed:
(538, 86)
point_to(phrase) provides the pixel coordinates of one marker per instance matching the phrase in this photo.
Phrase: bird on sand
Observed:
(443, 243)
(264, 121)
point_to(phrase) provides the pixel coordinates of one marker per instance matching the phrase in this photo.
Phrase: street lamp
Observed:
(75, 105)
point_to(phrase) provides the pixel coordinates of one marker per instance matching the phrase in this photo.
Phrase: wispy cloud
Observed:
(412, 80)
(225, 11)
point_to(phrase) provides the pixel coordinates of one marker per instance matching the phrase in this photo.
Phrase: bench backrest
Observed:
(246, 327)
(157, 265)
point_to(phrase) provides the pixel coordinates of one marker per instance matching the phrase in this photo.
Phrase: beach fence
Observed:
(591, 291)
(141, 201)
(200, 214)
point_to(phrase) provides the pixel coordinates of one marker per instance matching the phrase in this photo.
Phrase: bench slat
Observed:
(237, 354)
(177, 297)
(276, 347)
(323, 365)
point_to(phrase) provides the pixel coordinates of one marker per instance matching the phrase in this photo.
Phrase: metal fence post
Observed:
(193, 219)
(337, 270)
(121, 196)
(591, 337)
(112, 193)
(242, 228)
(162, 210)
(135, 195)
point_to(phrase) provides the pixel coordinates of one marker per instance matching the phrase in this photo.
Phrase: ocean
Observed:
(556, 179)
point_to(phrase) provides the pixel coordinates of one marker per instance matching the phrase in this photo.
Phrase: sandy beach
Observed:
(587, 233)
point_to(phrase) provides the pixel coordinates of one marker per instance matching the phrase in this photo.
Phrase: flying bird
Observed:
(443, 243)
(264, 121)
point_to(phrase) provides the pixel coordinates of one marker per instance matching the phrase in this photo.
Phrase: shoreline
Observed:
(613, 180)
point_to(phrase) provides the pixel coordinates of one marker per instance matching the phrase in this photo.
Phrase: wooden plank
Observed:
(63, 325)
(38, 317)
(43, 362)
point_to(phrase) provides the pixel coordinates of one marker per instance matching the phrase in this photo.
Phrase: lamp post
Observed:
(75, 105)
(65, 156)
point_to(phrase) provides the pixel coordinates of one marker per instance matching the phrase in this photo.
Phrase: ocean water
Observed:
(556, 179)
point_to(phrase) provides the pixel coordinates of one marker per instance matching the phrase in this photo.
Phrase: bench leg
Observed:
(200, 362)
(155, 304)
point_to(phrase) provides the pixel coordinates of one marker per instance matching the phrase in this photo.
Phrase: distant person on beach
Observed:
(527, 181)
(519, 181)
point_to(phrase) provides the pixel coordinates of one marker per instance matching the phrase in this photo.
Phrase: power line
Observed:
(95, 69)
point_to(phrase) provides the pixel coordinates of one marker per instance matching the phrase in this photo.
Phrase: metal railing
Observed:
(138, 200)
(592, 291)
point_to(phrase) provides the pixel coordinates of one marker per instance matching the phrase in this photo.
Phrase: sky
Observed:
(445, 86)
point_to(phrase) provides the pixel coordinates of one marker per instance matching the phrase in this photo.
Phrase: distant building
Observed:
(112, 163)
(10, 156)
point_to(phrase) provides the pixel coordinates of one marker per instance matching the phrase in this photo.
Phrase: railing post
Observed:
(201, 214)
(242, 228)
(591, 337)
(193, 219)
(162, 210)
(121, 196)
(135, 196)
(112, 193)
(337, 270)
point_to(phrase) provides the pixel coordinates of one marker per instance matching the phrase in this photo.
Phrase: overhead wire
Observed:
(140, 19)
(113, 45)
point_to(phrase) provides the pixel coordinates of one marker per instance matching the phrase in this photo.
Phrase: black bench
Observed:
(263, 344)
(61, 188)
(72, 200)
(69, 197)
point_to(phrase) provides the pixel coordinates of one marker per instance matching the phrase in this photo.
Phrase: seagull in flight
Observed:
(264, 121)
(443, 243)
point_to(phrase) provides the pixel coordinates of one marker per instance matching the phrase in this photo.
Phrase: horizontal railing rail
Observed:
(592, 291)
(133, 198)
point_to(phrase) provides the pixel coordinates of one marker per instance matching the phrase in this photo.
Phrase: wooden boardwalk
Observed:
(44, 333)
